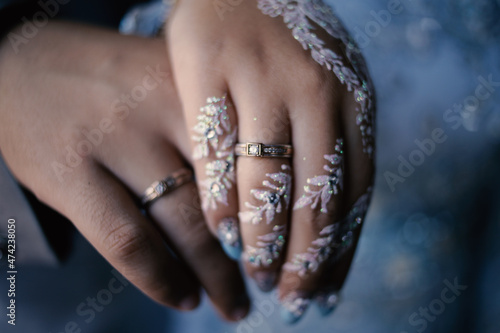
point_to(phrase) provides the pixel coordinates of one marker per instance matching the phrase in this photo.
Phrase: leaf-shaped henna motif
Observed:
(269, 247)
(299, 16)
(213, 131)
(328, 184)
(333, 241)
(274, 197)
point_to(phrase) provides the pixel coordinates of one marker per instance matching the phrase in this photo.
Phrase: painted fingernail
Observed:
(293, 308)
(265, 280)
(229, 237)
(189, 303)
(327, 302)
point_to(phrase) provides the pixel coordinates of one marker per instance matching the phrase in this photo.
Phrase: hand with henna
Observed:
(280, 111)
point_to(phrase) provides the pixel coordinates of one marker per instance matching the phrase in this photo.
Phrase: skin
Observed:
(65, 82)
(250, 56)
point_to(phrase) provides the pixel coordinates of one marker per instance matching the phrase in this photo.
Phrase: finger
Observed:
(318, 199)
(179, 217)
(107, 216)
(264, 184)
(211, 122)
(317, 246)
(358, 180)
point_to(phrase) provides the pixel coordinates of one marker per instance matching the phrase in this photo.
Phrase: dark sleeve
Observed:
(12, 13)
(32, 246)
(99, 12)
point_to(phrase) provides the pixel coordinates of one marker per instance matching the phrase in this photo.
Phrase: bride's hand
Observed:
(272, 84)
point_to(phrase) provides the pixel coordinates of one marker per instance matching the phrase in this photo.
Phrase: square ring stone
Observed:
(160, 188)
(254, 149)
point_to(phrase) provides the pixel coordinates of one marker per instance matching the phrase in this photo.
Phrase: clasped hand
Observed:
(280, 73)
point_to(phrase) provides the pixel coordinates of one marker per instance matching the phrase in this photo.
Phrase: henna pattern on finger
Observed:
(269, 248)
(299, 16)
(334, 240)
(274, 198)
(330, 184)
(212, 122)
(220, 175)
(213, 131)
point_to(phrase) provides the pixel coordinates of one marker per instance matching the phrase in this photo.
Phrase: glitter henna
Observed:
(273, 198)
(212, 122)
(330, 183)
(269, 248)
(213, 131)
(334, 240)
(301, 16)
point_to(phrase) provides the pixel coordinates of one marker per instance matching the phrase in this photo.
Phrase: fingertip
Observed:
(239, 310)
(327, 302)
(229, 236)
(265, 280)
(190, 302)
(293, 307)
(288, 317)
(240, 313)
(233, 252)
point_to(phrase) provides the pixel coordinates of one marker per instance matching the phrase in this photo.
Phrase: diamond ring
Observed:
(161, 187)
(262, 150)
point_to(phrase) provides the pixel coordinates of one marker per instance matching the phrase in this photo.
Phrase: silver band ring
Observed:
(261, 150)
(161, 187)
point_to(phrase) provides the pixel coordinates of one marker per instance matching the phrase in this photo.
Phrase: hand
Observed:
(311, 91)
(89, 119)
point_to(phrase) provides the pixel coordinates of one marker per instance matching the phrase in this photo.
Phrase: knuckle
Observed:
(166, 295)
(126, 241)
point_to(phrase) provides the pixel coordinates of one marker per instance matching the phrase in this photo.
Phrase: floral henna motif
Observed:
(334, 240)
(274, 197)
(212, 122)
(220, 178)
(299, 16)
(268, 248)
(330, 184)
(214, 130)
(309, 262)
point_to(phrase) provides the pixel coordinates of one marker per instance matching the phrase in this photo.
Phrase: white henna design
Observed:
(213, 130)
(274, 197)
(330, 184)
(299, 16)
(269, 248)
(334, 240)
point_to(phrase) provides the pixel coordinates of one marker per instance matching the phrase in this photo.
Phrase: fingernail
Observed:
(327, 302)
(293, 308)
(228, 233)
(239, 314)
(241, 307)
(189, 303)
(265, 280)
